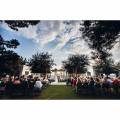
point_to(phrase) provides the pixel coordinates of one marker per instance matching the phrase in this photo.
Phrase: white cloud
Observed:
(42, 33)
(58, 34)
(116, 52)
(60, 38)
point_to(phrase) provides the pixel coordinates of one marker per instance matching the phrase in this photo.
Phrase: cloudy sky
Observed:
(59, 38)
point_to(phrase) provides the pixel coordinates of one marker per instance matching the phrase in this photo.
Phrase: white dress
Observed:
(56, 79)
(38, 84)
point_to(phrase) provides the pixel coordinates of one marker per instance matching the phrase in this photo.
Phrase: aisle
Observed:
(58, 92)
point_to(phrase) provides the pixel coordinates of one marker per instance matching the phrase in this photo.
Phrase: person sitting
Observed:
(78, 86)
(91, 86)
(9, 87)
(2, 87)
(17, 87)
(24, 85)
(45, 81)
(38, 86)
(116, 85)
(31, 83)
(110, 86)
(85, 86)
(98, 87)
(105, 87)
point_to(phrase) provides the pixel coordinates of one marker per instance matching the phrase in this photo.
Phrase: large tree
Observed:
(41, 63)
(76, 64)
(101, 36)
(11, 62)
(106, 67)
(16, 24)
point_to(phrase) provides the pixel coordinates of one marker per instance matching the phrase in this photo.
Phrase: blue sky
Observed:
(26, 48)
(60, 38)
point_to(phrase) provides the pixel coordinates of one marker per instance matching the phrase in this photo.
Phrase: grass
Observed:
(63, 92)
(58, 92)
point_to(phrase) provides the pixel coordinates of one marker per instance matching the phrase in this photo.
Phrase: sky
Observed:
(59, 38)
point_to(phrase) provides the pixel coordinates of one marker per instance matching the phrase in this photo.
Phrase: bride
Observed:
(56, 79)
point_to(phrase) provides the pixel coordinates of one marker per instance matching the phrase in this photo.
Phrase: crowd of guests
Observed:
(95, 86)
(22, 86)
(11, 86)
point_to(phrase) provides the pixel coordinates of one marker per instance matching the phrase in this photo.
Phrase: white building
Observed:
(60, 73)
(26, 70)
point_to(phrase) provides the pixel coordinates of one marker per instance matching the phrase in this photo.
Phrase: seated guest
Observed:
(116, 85)
(85, 86)
(9, 87)
(31, 83)
(17, 86)
(24, 85)
(38, 85)
(45, 81)
(2, 87)
(91, 86)
(98, 87)
(110, 85)
(78, 86)
(105, 87)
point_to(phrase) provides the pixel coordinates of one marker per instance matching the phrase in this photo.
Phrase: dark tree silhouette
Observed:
(76, 64)
(106, 67)
(15, 24)
(101, 36)
(10, 63)
(41, 63)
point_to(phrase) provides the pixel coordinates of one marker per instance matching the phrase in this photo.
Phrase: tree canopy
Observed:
(101, 36)
(76, 64)
(106, 67)
(41, 63)
(15, 24)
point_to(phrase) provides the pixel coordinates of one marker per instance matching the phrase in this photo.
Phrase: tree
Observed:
(117, 68)
(11, 62)
(8, 59)
(41, 63)
(15, 24)
(105, 67)
(76, 64)
(101, 35)
(117, 65)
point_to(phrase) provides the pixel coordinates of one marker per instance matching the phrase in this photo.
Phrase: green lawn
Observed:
(63, 92)
(58, 92)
